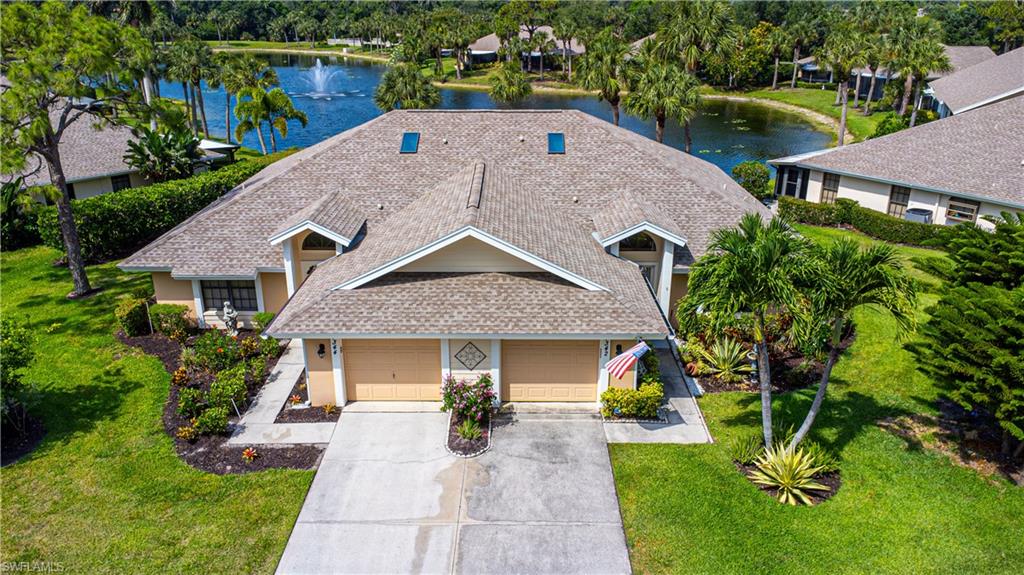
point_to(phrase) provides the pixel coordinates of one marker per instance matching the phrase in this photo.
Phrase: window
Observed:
(829, 188)
(899, 197)
(315, 241)
(794, 181)
(410, 142)
(638, 243)
(122, 182)
(961, 211)
(556, 143)
(241, 294)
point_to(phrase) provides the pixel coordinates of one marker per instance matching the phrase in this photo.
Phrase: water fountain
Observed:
(319, 77)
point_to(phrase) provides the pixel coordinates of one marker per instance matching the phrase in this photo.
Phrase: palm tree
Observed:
(602, 67)
(696, 30)
(565, 29)
(509, 84)
(841, 52)
(660, 89)
(749, 269)
(929, 55)
(917, 45)
(845, 279)
(801, 33)
(138, 14)
(279, 111)
(778, 40)
(273, 107)
(403, 86)
(236, 72)
(543, 44)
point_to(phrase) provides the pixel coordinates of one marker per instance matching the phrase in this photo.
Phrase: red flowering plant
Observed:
(249, 454)
(216, 351)
(468, 399)
(295, 399)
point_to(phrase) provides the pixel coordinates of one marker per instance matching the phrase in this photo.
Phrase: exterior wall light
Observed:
(321, 351)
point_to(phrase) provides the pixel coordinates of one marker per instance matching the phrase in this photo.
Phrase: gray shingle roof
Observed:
(992, 78)
(979, 153)
(86, 151)
(962, 57)
(331, 212)
(626, 211)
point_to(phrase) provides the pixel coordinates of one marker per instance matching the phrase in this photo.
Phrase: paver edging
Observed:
(467, 455)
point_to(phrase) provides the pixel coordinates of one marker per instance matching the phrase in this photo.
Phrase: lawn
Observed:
(105, 491)
(901, 508)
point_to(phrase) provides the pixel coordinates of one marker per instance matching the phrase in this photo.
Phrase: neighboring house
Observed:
(991, 80)
(93, 159)
(531, 245)
(945, 172)
(485, 49)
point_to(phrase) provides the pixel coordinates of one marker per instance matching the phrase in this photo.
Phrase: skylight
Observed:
(556, 143)
(410, 142)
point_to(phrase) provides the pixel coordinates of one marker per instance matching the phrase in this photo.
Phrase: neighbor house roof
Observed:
(988, 81)
(979, 154)
(960, 57)
(491, 42)
(89, 148)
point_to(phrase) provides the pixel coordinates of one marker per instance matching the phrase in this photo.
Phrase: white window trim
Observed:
(313, 227)
(197, 297)
(644, 226)
(665, 279)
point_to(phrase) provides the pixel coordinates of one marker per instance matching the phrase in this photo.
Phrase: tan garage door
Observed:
(549, 370)
(392, 369)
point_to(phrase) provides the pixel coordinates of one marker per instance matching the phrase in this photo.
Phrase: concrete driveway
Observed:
(389, 499)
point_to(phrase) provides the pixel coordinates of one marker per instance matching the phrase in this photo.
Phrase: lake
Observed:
(725, 133)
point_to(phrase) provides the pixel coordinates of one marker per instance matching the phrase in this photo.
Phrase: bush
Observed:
(725, 359)
(256, 369)
(875, 224)
(270, 347)
(216, 351)
(249, 347)
(753, 176)
(791, 473)
(228, 386)
(261, 320)
(468, 400)
(213, 421)
(640, 403)
(807, 212)
(746, 450)
(823, 458)
(469, 430)
(131, 314)
(111, 226)
(190, 402)
(16, 354)
(890, 124)
(169, 318)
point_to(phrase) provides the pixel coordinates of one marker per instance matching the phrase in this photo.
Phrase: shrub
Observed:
(216, 351)
(16, 354)
(249, 346)
(791, 473)
(640, 403)
(469, 429)
(329, 408)
(725, 359)
(261, 320)
(890, 124)
(807, 212)
(746, 450)
(213, 421)
(256, 369)
(753, 176)
(111, 226)
(228, 386)
(131, 314)
(823, 458)
(187, 432)
(468, 400)
(190, 402)
(188, 358)
(875, 224)
(180, 376)
(169, 318)
(270, 347)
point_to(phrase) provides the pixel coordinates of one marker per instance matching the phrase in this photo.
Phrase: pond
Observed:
(338, 95)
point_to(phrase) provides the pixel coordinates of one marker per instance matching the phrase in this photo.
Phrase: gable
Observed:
(469, 254)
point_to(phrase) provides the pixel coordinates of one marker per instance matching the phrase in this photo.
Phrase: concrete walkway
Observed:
(685, 421)
(257, 425)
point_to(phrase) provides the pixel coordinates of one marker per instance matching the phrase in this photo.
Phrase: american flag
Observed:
(627, 359)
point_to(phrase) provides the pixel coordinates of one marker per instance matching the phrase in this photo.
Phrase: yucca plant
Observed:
(469, 430)
(791, 472)
(725, 359)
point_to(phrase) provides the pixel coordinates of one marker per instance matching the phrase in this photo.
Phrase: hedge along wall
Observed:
(868, 221)
(114, 225)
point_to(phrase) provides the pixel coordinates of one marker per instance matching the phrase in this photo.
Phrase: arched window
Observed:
(638, 243)
(315, 241)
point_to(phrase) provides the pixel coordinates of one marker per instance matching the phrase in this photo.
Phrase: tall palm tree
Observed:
(661, 89)
(917, 44)
(602, 68)
(778, 40)
(801, 34)
(138, 14)
(841, 52)
(273, 107)
(403, 86)
(236, 72)
(509, 84)
(847, 278)
(565, 29)
(929, 56)
(751, 269)
(695, 30)
(543, 45)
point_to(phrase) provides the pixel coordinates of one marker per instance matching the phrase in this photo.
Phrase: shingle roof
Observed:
(230, 237)
(627, 211)
(979, 153)
(974, 86)
(962, 57)
(491, 42)
(331, 212)
(86, 151)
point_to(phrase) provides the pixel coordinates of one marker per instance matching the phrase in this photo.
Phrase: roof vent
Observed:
(556, 143)
(380, 206)
(575, 199)
(522, 138)
(410, 142)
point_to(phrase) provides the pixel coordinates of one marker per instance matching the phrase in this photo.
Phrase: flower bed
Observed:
(471, 404)
(320, 414)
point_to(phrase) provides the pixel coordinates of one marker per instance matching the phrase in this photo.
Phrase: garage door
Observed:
(549, 370)
(392, 369)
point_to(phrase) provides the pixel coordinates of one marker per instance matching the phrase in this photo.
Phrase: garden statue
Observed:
(230, 319)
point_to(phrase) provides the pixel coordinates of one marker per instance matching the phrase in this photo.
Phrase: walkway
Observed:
(685, 421)
(257, 425)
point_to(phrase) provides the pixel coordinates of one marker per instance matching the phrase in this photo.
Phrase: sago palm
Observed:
(602, 66)
(403, 86)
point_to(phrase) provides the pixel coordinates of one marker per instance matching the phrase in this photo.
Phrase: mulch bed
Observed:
(211, 453)
(15, 446)
(466, 446)
(832, 480)
(304, 415)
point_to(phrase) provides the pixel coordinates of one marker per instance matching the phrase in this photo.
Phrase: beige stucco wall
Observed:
(814, 182)
(170, 290)
(275, 291)
(469, 255)
(628, 379)
(306, 259)
(102, 185)
(319, 372)
(460, 371)
(874, 195)
(680, 282)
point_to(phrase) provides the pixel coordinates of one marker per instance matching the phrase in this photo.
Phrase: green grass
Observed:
(105, 491)
(901, 508)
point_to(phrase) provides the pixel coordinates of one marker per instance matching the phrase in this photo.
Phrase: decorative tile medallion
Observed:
(470, 356)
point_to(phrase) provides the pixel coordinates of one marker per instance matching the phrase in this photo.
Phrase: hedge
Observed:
(131, 315)
(640, 403)
(114, 225)
(875, 224)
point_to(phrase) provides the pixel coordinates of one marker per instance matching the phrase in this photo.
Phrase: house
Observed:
(991, 80)
(944, 172)
(531, 245)
(485, 49)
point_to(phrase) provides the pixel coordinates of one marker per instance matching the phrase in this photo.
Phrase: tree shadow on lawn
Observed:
(53, 313)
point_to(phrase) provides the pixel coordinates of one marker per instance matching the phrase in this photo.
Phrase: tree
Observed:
(237, 72)
(509, 84)
(754, 177)
(403, 86)
(191, 62)
(929, 55)
(778, 40)
(841, 52)
(696, 30)
(166, 154)
(63, 65)
(844, 279)
(662, 90)
(565, 29)
(917, 46)
(1006, 21)
(801, 34)
(273, 107)
(602, 68)
(138, 14)
(751, 269)
(16, 350)
(543, 45)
